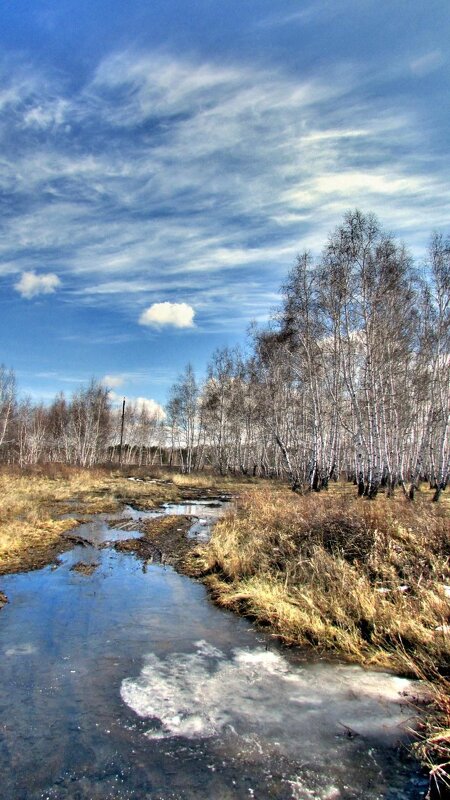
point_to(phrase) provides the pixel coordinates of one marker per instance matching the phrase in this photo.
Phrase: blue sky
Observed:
(162, 163)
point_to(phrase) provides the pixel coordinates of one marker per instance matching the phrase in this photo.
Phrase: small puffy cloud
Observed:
(30, 284)
(113, 381)
(179, 315)
(151, 406)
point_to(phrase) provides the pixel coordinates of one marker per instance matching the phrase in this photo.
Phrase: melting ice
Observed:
(205, 693)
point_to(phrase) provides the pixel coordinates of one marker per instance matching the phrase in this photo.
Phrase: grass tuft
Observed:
(357, 576)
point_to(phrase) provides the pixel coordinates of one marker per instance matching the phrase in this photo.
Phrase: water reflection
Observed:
(205, 513)
(131, 684)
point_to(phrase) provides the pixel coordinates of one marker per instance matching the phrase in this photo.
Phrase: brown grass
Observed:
(33, 502)
(361, 579)
(433, 736)
(344, 574)
(364, 580)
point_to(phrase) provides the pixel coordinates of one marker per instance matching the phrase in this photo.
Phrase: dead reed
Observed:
(368, 581)
(39, 504)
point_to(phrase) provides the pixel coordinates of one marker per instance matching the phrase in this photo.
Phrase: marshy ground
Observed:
(38, 508)
(164, 540)
(368, 581)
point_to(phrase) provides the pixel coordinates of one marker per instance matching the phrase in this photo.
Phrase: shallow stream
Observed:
(129, 683)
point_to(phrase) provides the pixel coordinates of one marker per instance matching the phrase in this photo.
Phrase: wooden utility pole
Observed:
(121, 432)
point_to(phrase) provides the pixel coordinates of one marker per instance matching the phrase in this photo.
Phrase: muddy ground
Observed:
(165, 535)
(38, 556)
(84, 569)
(164, 541)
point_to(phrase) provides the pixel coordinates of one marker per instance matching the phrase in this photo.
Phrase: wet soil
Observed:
(164, 541)
(38, 556)
(50, 547)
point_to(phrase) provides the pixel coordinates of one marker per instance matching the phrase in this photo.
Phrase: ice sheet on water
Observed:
(205, 693)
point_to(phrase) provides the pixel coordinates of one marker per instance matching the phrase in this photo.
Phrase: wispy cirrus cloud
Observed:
(427, 63)
(314, 12)
(164, 176)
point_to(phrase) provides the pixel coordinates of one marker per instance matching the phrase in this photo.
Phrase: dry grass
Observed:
(365, 580)
(433, 736)
(33, 503)
(361, 578)
(207, 480)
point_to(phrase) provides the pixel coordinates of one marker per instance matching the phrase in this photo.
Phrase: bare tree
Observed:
(7, 407)
(89, 421)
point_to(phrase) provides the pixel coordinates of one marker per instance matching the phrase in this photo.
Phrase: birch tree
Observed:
(7, 406)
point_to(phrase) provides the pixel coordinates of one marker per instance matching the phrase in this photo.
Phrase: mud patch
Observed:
(75, 539)
(37, 539)
(37, 556)
(164, 541)
(84, 569)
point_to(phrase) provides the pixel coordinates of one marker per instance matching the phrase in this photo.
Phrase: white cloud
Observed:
(238, 169)
(316, 12)
(153, 408)
(156, 84)
(427, 63)
(113, 381)
(30, 284)
(178, 315)
(46, 115)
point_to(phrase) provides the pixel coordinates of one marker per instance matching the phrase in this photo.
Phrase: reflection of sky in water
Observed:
(206, 510)
(25, 649)
(70, 643)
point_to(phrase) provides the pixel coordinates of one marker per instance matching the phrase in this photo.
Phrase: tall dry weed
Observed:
(369, 581)
(365, 576)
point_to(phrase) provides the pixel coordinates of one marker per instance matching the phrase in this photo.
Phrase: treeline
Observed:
(351, 378)
(83, 430)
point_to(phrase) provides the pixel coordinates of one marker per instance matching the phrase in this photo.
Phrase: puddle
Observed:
(205, 511)
(205, 693)
(97, 532)
(130, 683)
(129, 512)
